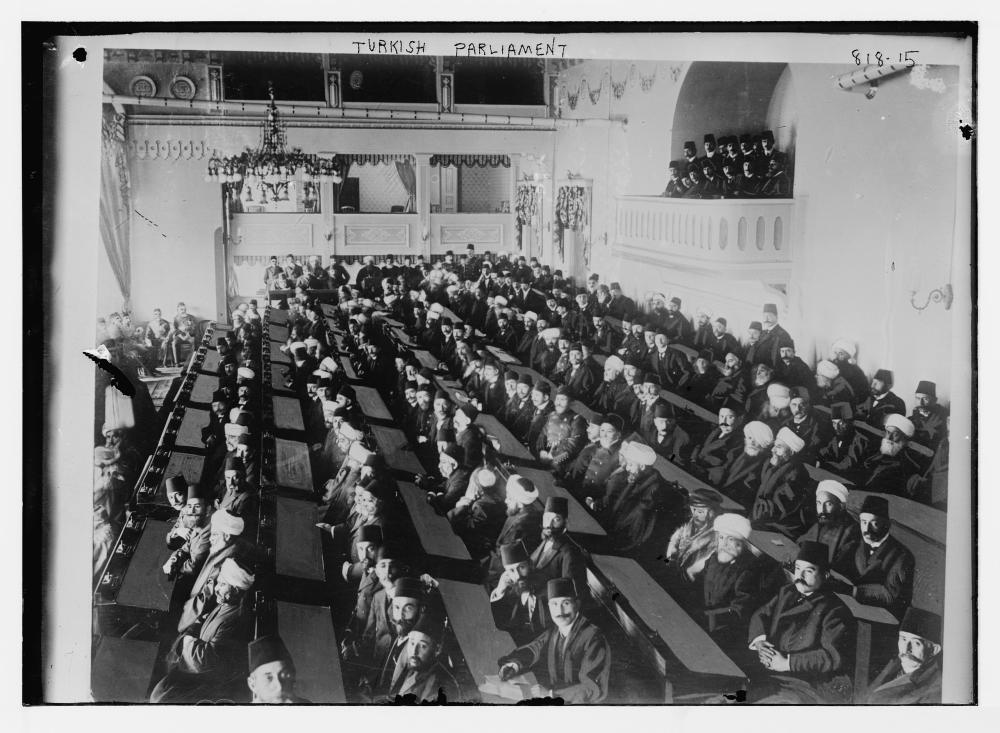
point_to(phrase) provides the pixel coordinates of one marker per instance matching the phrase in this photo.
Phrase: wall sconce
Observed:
(425, 233)
(328, 234)
(943, 294)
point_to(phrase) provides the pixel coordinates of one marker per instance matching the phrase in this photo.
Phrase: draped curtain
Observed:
(116, 201)
(408, 177)
(471, 161)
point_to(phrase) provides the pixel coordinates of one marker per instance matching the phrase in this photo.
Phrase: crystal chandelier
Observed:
(263, 175)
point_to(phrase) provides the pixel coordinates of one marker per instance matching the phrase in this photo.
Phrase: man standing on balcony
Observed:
(768, 152)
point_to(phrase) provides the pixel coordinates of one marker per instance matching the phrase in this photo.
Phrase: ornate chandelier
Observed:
(263, 175)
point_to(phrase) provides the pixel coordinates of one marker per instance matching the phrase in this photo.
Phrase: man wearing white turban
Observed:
(207, 657)
(523, 523)
(783, 500)
(834, 527)
(889, 470)
(739, 477)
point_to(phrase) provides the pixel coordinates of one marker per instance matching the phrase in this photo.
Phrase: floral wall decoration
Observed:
(572, 212)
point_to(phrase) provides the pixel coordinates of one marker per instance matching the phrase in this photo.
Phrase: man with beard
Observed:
(331, 453)
(889, 470)
(608, 393)
(491, 399)
(395, 611)
(649, 395)
(604, 337)
(807, 425)
(881, 401)
(731, 386)
(929, 419)
(421, 424)
(468, 435)
(455, 474)
(772, 337)
(559, 555)
(572, 658)
(529, 336)
(804, 638)
(698, 383)
(719, 341)
(517, 413)
(834, 527)
(791, 370)
(205, 659)
(723, 439)
(637, 505)
(675, 324)
(338, 492)
(751, 343)
(703, 505)
(739, 478)
(589, 475)
(518, 601)
(238, 496)
(619, 305)
(668, 438)
(419, 672)
(674, 189)
(224, 542)
(578, 379)
(783, 502)
(541, 409)
(831, 386)
(523, 524)
(633, 347)
(189, 538)
(479, 514)
(914, 676)
(847, 449)
(881, 567)
(843, 352)
(272, 673)
(388, 564)
(762, 401)
(109, 500)
(563, 436)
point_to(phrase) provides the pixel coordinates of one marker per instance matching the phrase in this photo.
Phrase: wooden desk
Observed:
(482, 643)
(395, 450)
(308, 633)
(818, 474)
(502, 355)
(345, 362)
(122, 670)
(287, 413)
(426, 358)
(435, 532)
(188, 465)
(278, 378)
(583, 411)
(689, 406)
(509, 445)
(277, 356)
(210, 365)
(535, 376)
(144, 584)
(204, 387)
(579, 520)
(371, 403)
(292, 467)
(298, 546)
(400, 335)
(276, 315)
(690, 353)
(775, 545)
(189, 433)
(673, 472)
(687, 641)
(278, 332)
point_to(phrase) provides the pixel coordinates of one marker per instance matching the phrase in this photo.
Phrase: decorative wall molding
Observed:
(161, 56)
(492, 234)
(281, 236)
(171, 149)
(359, 236)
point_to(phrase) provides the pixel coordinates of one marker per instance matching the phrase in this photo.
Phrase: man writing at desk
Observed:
(577, 659)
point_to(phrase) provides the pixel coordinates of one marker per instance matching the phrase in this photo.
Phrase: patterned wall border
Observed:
(361, 236)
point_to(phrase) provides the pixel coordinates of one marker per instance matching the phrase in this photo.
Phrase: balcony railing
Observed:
(744, 233)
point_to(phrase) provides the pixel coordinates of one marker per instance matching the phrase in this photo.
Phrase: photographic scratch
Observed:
(118, 380)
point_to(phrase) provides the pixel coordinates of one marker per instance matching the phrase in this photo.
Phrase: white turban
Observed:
(311, 342)
(759, 432)
(790, 439)
(827, 369)
(732, 524)
(346, 431)
(367, 303)
(233, 430)
(833, 488)
(329, 364)
(614, 363)
(235, 413)
(320, 373)
(232, 574)
(499, 300)
(486, 478)
(359, 453)
(530, 316)
(640, 453)
(436, 308)
(223, 521)
(297, 345)
(845, 345)
(517, 489)
(245, 373)
(329, 406)
(703, 312)
(551, 333)
(779, 395)
(902, 424)
(451, 289)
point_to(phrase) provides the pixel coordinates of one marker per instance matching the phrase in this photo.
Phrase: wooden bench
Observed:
(580, 521)
(277, 355)
(308, 634)
(510, 446)
(188, 435)
(434, 531)
(502, 355)
(878, 433)
(426, 359)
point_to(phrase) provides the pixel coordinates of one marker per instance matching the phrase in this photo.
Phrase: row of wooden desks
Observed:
(434, 531)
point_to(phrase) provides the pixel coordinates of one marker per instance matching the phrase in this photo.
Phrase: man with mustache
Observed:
(633, 346)
(807, 424)
(395, 608)
(407, 606)
(763, 397)
(720, 341)
(571, 658)
(783, 502)
(703, 505)
(563, 435)
(739, 477)
(419, 671)
(881, 401)
(834, 527)
(559, 555)
(698, 383)
(272, 673)
(843, 353)
(928, 417)
(791, 370)
(603, 460)
(518, 601)
(889, 470)
(667, 438)
(831, 385)
(772, 337)
(847, 449)
(914, 676)
(455, 472)
(713, 452)
(731, 384)
(523, 524)
(189, 538)
(804, 638)
(881, 567)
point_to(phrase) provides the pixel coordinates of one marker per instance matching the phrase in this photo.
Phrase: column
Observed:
(423, 171)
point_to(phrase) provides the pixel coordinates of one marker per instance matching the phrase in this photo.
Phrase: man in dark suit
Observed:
(669, 364)
(558, 555)
(783, 502)
(541, 408)
(675, 189)
(480, 514)
(881, 567)
(578, 379)
(419, 670)
(913, 677)
(572, 658)
(563, 435)
(890, 469)
(772, 338)
(794, 372)
(804, 638)
(724, 438)
(493, 396)
(847, 449)
(731, 386)
(928, 417)
(739, 477)
(881, 401)
(518, 599)
(809, 425)
(834, 527)
(620, 306)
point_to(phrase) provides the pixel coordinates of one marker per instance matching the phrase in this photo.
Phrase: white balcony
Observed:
(735, 238)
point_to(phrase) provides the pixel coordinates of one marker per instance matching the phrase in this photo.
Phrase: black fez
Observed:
(265, 650)
(614, 421)
(927, 388)
(755, 326)
(925, 624)
(525, 378)
(651, 378)
(705, 497)
(767, 135)
(300, 352)
(455, 453)
(706, 354)
(348, 391)
(710, 138)
(176, 485)
(557, 505)
(564, 391)
(390, 551)
(441, 395)
(235, 463)
(841, 411)
(408, 588)
(816, 553)
(513, 553)
(673, 164)
(429, 626)
(219, 396)
(689, 144)
(663, 409)
(370, 533)
(445, 434)
(877, 505)
(561, 588)
(470, 410)
(884, 376)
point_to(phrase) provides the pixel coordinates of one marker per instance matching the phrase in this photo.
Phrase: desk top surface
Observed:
(122, 670)
(277, 355)
(145, 585)
(308, 634)
(371, 403)
(292, 466)
(204, 387)
(509, 445)
(298, 546)
(435, 532)
(287, 413)
(580, 520)
(395, 449)
(189, 433)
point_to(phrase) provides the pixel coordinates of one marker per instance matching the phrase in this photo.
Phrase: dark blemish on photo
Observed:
(966, 130)
(80, 54)
(119, 380)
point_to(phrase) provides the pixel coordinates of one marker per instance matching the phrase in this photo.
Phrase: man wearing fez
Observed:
(419, 671)
(590, 472)
(848, 448)
(928, 417)
(714, 450)
(806, 424)
(670, 365)
(559, 555)
(523, 524)
(889, 470)
(772, 337)
(205, 659)
(619, 305)
(407, 605)
(572, 658)
(224, 543)
(578, 378)
(882, 401)
(675, 189)
(518, 411)
(455, 474)
(881, 567)
(272, 673)
(189, 537)
(636, 504)
(834, 527)
(667, 437)
(804, 638)
(541, 409)
(518, 601)
(739, 477)
(791, 370)
(783, 500)
(690, 161)
(914, 676)
(563, 436)
(731, 386)
(237, 496)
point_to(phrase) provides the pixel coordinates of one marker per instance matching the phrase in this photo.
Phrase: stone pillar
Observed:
(423, 171)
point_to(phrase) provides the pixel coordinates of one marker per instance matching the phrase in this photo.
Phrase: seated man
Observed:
(783, 502)
(703, 505)
(881, 567)
(739, 477)
(518, 601)
(206, 658)
(914, 676)
(572, 658)
(804, 638)
(189, 537)
(881, 402)
(831, 385)
(523, 523)
(813, 428)
(889, 470)
(928, 417)
(155, 338)
(559, 555)
(668, 438)
(723, 439)
(848, 448)
(478, 516)
(563, 436)
(834, 527)
(592, 468)
(455, 474)
(420, 672)
(272, 672)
